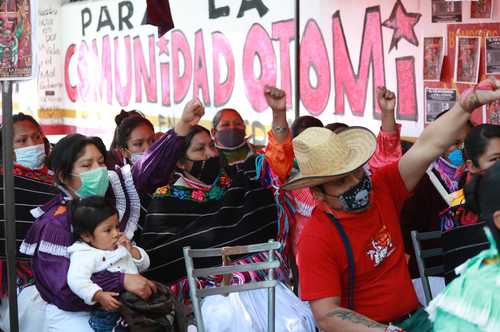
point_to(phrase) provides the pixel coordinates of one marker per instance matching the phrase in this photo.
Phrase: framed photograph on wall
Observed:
(437, 101)
(16, 40)
(433, 58)
(492, 57)
(481, 9)
(446, 11)
(467, 60)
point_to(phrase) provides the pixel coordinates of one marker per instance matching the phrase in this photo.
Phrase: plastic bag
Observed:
(247, 311)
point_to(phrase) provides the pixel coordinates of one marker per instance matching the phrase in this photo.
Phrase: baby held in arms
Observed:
(100, 246)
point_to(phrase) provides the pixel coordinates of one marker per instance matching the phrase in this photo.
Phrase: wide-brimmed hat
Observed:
(323, 155)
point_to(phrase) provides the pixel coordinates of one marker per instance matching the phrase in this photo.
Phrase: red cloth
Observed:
(383, 288)
(158, 13)
(388, 149)
(42, 174)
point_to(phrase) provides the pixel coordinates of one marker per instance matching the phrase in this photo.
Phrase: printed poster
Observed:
(446, 11)
(16, 44)
(492, 55)
(481, 9)
(467, 60)
(493, 111)
(433, 58)
(437, 101)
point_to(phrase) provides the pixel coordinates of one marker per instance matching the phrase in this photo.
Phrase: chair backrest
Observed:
(460, 244)
(193, 273)
(423, 256)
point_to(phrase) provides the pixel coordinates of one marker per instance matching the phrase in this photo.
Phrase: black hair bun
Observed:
(121, 116)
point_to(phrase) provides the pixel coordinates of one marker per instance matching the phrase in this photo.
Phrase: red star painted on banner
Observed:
(162, 45)
(403, 24)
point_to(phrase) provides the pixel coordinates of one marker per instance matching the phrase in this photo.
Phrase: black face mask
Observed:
(358, 197)
(232, 138)
(206, 171)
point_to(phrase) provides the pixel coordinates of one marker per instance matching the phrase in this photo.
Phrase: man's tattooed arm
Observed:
(355, 318)
(330, 317)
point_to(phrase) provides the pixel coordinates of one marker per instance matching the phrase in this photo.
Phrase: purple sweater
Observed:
(158, 163)
(50, 236)
(47, 241)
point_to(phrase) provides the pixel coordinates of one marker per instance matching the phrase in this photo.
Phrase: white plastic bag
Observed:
(247, 311)
(226, 314)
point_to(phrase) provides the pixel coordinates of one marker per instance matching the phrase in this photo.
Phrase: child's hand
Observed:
(107, 300)
(124, 241)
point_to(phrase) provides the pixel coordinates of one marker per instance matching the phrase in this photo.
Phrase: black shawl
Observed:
(245, 214)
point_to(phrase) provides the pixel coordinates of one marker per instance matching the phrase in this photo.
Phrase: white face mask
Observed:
(135, 157)
(31, 157)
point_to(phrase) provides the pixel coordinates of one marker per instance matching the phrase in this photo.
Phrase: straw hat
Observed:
(323, 155)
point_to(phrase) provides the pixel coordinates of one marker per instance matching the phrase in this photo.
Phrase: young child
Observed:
(100, 246)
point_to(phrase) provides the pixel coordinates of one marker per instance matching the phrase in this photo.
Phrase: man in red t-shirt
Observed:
(351, 254)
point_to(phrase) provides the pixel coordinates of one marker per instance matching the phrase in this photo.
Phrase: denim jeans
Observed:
(105, 321)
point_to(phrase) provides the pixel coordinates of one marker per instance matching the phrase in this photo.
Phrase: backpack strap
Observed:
(350, 260)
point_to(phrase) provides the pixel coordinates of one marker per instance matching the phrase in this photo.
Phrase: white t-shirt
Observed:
(86, 260)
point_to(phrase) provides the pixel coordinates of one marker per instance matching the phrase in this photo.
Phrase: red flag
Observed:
(158, 14)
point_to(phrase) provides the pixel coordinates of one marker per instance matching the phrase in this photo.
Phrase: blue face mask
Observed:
(94, 182)
(31, 157)
(135, 157)
(456, 157)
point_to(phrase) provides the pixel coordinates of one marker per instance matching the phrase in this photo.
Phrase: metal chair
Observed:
(460, 244)
(197, 294)
(422, 255)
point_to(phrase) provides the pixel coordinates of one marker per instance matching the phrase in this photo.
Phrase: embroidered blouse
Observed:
(240, 208)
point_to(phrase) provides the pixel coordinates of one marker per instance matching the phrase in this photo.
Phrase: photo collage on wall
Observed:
(455, 61)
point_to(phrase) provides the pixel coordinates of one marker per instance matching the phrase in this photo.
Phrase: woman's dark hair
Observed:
(482, 197)
(68, 150)
(22, 117)
(218, 116)
(337, 127)
(126, 127)
(119, 119)
(87, 213)
(189, 138)
(477, 141)
(303, 122)
(25, 117)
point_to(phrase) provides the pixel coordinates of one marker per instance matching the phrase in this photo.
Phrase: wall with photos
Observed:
(96, 58)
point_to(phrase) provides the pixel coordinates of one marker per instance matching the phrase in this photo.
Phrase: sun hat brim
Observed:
(361, 142)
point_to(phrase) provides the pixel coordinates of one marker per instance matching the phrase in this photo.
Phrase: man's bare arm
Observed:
(330, 317)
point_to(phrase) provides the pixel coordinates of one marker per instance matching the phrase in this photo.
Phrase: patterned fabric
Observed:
(471, 302)
(244, 207)
(196, 192)
(32, 188)
(245, 214)
(180, 288)
(457, 215)
(449, 174)
(42, 175)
